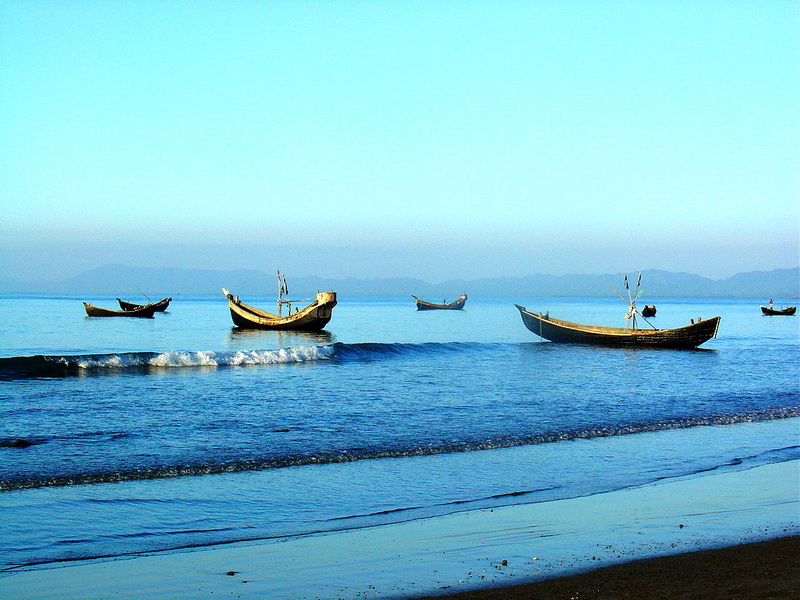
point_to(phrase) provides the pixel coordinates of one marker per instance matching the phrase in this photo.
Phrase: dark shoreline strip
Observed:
(758, 570)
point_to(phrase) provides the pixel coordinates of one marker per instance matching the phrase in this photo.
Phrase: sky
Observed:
(432, 139)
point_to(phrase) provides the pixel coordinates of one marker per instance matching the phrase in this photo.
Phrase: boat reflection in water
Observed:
(280, 338)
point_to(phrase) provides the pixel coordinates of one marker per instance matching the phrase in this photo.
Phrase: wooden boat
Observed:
(96, 311)
(560, 331)
(456, 305)
(773, 312)
(313, 317)
(649, 310)
(159, 306)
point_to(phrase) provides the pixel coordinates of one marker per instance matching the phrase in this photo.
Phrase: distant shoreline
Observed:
(756, 570)
(121, 280)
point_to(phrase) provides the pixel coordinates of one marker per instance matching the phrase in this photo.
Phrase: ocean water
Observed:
(179, 432)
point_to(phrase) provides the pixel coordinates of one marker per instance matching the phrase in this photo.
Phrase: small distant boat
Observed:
(313, 317)
(649, 310)
(95, 311)
(773, 312)
(456, 305)
(159, 306)
(560, 331)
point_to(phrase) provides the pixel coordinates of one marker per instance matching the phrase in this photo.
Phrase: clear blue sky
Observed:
(434, 139)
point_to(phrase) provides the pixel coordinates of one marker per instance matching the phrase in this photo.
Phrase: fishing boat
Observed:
(560, 331)
(565, 332)
(95, 311)
(774, 312)
(313, 317)
(159, 306)
(456, 305)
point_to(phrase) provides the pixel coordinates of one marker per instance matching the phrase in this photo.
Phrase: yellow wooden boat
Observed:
(313, 317)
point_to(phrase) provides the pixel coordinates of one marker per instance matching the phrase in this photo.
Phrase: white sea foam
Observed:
(206, 358)
(110, 361)
(240, 357)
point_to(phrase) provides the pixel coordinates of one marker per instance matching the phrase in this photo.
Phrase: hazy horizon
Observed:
(300, 264)
(408, 139)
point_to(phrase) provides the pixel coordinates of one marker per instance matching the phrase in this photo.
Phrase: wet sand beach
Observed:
(759, 570)
(555, 543)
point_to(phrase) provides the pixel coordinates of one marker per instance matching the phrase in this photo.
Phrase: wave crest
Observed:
(240, 357)
(76, 365)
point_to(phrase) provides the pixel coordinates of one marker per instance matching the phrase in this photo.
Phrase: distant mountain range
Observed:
(123, 280)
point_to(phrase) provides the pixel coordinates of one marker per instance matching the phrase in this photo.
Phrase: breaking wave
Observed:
(76, 365)
(88, 364)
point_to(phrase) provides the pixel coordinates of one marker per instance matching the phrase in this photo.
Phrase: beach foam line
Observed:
(361, 454)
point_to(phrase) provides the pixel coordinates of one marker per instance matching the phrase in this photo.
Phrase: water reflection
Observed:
(263, 338)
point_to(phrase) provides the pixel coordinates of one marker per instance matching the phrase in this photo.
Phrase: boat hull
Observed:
(159, 306)
(565, 332)
(456, 305)
(772, 312)
(145, 312)
(313, 317)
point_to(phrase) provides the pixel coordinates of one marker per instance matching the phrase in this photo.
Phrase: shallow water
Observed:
(181, 431)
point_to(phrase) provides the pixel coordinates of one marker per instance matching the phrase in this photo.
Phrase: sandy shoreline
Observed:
(553, 543)
(759, 570)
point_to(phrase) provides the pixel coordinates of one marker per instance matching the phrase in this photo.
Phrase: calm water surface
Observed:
(180, 431)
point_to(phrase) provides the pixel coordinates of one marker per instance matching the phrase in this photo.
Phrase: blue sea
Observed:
(129, 436)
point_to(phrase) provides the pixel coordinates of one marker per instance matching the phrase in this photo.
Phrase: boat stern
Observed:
(326, 298)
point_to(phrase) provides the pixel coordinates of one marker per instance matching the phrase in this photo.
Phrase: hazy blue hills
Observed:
(123, 280)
